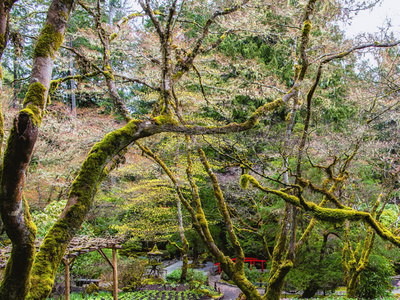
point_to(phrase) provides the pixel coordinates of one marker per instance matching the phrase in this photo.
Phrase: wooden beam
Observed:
(67, 279)
(105, 257)
(115, 274)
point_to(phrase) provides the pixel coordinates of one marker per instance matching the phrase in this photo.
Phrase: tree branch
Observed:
(329, 214)
(137, 80)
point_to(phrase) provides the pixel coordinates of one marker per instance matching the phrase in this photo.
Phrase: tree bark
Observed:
(14, 209)
(14, 85)
(185, 244)
(5, 7)
(72, 84)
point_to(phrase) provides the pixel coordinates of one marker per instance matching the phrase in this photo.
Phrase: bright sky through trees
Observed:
(369, 21)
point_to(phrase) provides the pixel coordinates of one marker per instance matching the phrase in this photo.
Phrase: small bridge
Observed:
(252, 262)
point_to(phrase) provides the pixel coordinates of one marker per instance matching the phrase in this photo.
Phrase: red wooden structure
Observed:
(250, 260)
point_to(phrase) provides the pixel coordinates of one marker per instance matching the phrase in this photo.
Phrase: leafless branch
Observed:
(137, 80)
(146, 7)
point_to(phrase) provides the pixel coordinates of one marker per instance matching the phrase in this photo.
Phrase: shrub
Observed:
(375, 281)
(193, 275)
(254, 275)
(131, 274)
(91, 265)
(92, 289)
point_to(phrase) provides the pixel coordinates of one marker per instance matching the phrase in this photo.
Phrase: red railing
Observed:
(250, 260)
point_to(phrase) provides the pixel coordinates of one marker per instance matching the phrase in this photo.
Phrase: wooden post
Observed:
(67, 286)
(115, 273)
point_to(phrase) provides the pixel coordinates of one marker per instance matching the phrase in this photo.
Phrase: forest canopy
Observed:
(232, 128)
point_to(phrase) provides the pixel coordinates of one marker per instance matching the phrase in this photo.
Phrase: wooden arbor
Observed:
(79, 245)
(95, 245)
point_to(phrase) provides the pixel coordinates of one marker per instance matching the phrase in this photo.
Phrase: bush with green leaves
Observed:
(375, 281)
(192, 275)
(91, 265)
(254, 275)
(131, 274)
(45, 219)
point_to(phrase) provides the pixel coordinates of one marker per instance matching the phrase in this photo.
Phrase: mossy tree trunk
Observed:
(14, 209)
(82, 191)
(351, 267)
(185, 244)
(283, 256)
(355, 269)
(280, 266)
(185, 260)
(235, 271)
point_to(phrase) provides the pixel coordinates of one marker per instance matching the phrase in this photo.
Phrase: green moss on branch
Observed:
(34, 102)
(49, 42)
(306, 27)
(331, 215)
(79, 202)
(166, 119)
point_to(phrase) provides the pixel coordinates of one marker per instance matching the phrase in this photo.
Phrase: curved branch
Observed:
(201, 84)
(188, 61)
(329, 57)
(55, 83)
(330, 214)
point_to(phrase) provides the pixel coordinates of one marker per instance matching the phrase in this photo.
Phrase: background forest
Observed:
(272, 136)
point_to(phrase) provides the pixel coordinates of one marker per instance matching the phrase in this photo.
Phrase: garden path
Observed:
(230, 292)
